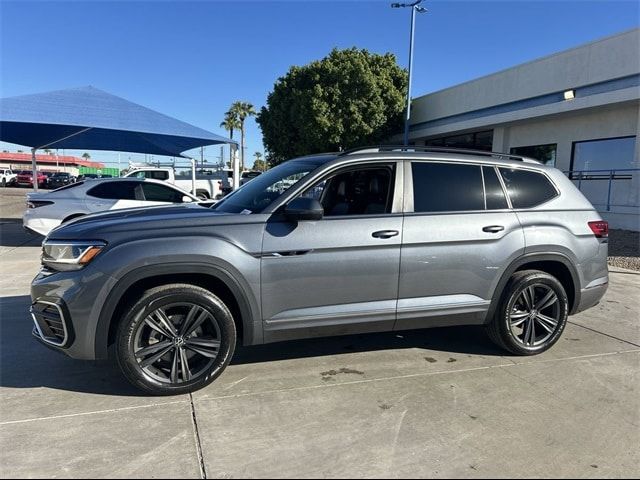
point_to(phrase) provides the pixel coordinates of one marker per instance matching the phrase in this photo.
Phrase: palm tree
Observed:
(230, 123)
(258, 163)
(86, 156)
(242, 110)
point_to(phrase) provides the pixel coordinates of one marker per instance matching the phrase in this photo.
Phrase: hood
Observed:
(153, 220)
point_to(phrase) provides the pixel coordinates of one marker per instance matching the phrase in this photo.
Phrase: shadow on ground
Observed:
(12, 234)
(25, 363)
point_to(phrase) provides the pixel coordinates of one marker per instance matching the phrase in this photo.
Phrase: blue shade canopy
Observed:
(90, 119)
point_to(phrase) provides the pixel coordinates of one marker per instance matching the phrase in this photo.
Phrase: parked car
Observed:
(208, 185)
(87, 176)
(363, 241)
(59, 179)
(246, 176)
(45, 211)
(25, 179)
(7, 177)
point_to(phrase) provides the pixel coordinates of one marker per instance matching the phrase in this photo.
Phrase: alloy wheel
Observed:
(535, 315)
(177, 343)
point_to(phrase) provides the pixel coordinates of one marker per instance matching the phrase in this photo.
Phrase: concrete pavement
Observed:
(432, 403)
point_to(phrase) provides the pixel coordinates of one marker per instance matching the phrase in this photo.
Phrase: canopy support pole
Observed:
(34, 169)
(236, 167)
(193, 176)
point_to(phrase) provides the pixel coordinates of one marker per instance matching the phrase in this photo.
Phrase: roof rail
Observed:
(425, 148)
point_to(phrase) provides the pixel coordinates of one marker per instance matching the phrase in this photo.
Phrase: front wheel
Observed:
(175, 339)
(532, 313)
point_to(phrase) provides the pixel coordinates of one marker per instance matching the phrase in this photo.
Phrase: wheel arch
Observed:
(556, 264)
(216, 280)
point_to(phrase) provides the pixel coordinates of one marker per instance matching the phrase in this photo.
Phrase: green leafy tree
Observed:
(348, 99)
(86, 156)
(242, 110)
(231, 123)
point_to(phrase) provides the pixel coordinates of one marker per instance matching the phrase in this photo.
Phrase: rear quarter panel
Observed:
(561, 226)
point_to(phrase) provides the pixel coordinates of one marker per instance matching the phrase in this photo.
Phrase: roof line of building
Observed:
(530, 62)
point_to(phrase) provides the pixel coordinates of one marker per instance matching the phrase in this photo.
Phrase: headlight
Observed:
(68, 255)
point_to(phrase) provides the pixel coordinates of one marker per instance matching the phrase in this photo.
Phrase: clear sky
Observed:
(191, 60)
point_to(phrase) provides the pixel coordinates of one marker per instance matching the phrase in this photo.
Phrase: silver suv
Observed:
(368, 240)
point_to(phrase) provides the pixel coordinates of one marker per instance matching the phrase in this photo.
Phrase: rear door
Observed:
(459, 237)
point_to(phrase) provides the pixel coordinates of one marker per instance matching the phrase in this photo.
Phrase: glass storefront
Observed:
(543, 153)
(475, 141)
(604, 154)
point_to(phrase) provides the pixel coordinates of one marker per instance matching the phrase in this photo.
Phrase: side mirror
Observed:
(186, 199)
(303, 208)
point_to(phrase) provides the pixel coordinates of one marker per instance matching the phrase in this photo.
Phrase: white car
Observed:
(45, 211)
(6, 176)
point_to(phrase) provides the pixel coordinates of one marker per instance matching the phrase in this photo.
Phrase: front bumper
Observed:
(65, 310)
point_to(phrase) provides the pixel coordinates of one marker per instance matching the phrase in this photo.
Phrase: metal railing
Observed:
(584, 177)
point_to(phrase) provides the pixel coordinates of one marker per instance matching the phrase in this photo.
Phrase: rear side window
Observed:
(116, 191)
(160, 193)
(153, 174)
(496, 199)
(527, 189)
(446, 187)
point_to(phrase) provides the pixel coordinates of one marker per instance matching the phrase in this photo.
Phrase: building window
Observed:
(476, 141)
(604, 154)
(543, 153)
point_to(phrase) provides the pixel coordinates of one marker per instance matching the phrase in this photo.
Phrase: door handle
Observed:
(493, 228)
(385, 233)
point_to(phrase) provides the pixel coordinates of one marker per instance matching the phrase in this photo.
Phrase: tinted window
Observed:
(493, 190)
(543, 153)
(445, 187)
(160, 193)
(527, 189)
(115, 190)
(366, 191)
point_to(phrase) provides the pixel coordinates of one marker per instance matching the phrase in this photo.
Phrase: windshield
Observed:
(259, 193)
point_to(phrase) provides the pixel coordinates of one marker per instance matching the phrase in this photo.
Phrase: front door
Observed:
(338, 275)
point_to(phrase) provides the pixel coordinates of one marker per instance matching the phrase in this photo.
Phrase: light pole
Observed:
(415, 7)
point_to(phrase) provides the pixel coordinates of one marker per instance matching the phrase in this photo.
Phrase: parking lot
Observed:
(432, 403)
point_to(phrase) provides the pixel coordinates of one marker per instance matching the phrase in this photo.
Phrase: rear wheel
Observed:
(175, 339)
(531, 315)
(4, 182)
(202, 194)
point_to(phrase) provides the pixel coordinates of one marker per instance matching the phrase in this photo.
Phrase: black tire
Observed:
(4, 183)
(202, 194)
(158, 378)
(537, 323)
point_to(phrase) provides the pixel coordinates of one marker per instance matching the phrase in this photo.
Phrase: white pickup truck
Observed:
(6, 176)
(208, 185)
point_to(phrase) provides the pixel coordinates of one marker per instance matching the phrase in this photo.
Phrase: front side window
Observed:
(160, 193)
(361, 191)
(527, 189)
(446, 187)
(117, 191)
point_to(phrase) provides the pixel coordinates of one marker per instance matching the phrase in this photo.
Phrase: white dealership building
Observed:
(578, 109)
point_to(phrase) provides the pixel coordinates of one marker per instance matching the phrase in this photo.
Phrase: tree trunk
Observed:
(242, 147)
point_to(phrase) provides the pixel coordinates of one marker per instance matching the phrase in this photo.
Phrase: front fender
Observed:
(132, 262)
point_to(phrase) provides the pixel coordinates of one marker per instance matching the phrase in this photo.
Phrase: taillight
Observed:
(38, 203)
(600, 228)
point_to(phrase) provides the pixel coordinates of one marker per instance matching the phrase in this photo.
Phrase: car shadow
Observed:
(12, 234)
(24, 363)
(470, 340)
